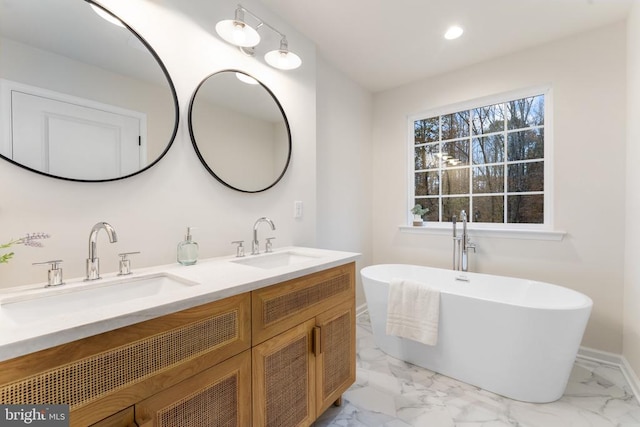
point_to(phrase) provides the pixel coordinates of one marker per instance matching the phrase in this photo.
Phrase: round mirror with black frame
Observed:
(83, 97)
(240, 131)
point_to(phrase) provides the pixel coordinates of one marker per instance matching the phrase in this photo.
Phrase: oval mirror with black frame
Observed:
(240, 131)
(83, 97)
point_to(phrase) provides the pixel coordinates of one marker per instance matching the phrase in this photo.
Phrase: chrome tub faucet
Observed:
(461, 244)
(93, 262)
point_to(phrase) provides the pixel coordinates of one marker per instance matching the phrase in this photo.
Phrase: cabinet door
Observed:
(335, 354)
(217, 396)
(283, 375)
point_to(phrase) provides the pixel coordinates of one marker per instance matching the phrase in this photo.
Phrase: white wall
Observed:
(150, 211)
(344, 158)
(587, 73)
(631, 343)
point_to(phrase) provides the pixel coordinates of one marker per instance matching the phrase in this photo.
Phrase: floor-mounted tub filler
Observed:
(514, 337)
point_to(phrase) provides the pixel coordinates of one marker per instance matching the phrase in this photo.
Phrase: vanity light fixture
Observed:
(283, 58)
(239, 33)
(453, 32)
(106, 16)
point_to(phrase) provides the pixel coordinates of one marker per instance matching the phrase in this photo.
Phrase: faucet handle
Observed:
(125, 263)
(268, 247)
(471, 246)
(54, 277)
(240, 248)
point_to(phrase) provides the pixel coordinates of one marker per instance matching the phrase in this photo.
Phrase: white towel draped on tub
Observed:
(413, 311)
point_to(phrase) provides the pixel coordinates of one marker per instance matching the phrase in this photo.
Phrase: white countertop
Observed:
(212, 279)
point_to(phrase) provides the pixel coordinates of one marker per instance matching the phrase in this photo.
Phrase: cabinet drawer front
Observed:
(280, 307)
(99, 375)
(217, 396)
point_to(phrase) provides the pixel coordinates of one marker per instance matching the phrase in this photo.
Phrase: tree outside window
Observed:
(487, 160)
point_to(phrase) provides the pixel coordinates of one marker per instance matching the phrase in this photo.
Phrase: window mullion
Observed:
(505, 178)
(470, 172)
(440, 177)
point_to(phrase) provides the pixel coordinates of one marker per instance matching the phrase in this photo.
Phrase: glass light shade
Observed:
(283, 59)
(237, 33)
(107, 16)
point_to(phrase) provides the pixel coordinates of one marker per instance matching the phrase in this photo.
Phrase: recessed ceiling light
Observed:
(453, 32)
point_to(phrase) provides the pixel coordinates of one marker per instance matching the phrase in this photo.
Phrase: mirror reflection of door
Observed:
(75, 140)
(65, 47)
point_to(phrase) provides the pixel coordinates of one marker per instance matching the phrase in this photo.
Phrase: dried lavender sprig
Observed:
(38, 235)
(30, 239)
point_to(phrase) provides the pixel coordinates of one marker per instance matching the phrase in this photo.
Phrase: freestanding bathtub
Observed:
(514, 337)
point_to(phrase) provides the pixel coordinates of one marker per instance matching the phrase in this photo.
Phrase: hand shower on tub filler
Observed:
(461, 246)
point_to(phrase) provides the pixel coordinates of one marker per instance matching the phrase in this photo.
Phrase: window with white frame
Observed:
(488, 160)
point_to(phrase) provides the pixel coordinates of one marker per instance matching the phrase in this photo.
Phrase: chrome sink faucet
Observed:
(93, 263)
(255, 244)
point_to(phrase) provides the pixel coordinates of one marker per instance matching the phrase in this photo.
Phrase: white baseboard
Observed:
(631, 377)
(600, 356)
(616, 360)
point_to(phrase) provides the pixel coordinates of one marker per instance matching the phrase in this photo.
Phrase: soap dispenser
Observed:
(188, 250)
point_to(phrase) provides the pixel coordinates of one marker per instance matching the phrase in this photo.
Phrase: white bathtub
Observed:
(514, 337)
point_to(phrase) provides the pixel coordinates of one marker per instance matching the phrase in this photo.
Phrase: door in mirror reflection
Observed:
(239, 131)
(81, 98)
(75, 140)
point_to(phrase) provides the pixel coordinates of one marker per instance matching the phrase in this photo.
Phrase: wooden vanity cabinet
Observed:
(277, 356)
(303, 347)
(105, 374)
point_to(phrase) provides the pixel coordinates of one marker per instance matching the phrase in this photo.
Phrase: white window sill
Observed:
(528, 234)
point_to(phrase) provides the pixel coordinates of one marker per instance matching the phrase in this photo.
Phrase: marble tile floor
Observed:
(391, 393)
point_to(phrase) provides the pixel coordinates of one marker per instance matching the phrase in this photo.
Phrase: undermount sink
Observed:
(276, 259)
(78, 297)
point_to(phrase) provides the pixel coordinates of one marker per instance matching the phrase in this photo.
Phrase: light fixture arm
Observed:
(284, 44)
(239, 14)
(242, 10)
